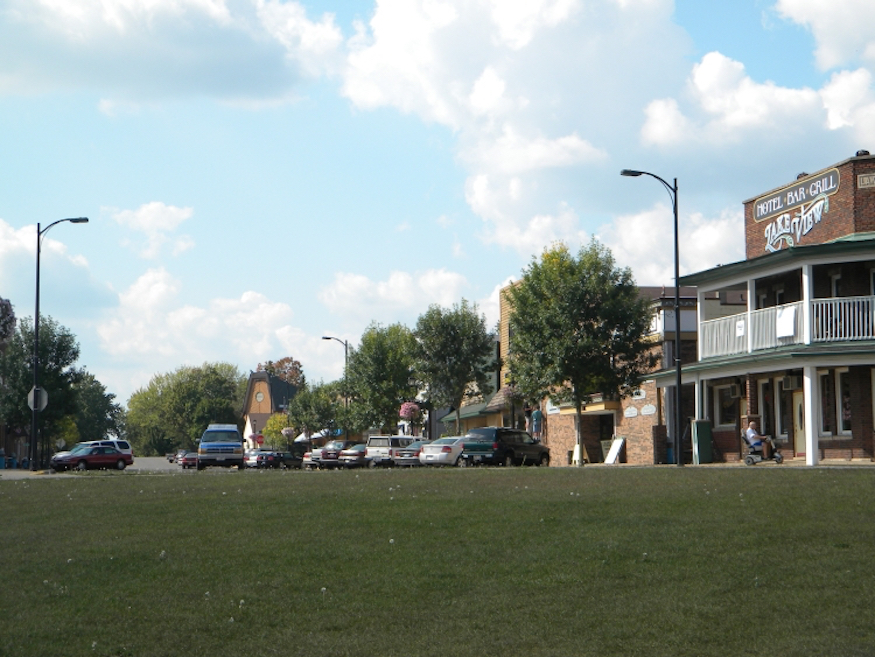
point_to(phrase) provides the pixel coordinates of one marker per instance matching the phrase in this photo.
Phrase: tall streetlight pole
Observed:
(345, 382)
(678, 418)
(37, 395)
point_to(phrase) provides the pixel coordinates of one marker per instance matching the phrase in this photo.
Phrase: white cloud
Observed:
(155, 220)
(357, 295)
(644, 241)
(844, 31)
(251, 52)
(491, 305)
(518, 20)
(729, 105)
(849, 99)
(513, 154)
(152, 325)
(314, 45)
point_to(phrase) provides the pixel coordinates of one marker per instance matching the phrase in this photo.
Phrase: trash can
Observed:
(669, 454)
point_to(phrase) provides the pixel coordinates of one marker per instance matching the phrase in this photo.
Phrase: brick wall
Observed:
(851, 210)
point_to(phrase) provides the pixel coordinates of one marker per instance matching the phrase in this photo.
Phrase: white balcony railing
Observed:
(836, 319)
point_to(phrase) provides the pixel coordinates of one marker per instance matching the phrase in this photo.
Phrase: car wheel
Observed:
(545, 460)
(120, 464)
(462, 463)
(372, 464)
(508, 460)
(82, 466)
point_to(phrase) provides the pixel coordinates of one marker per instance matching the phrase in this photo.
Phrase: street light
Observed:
(345, 368)
(678, 423)
(36, 389)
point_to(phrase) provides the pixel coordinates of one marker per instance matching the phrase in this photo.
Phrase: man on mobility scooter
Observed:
(759, 448)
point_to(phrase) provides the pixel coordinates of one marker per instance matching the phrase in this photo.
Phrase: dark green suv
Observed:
(503, 446)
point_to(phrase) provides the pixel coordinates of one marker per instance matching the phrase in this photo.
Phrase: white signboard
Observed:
(785, 322)
(739, 328)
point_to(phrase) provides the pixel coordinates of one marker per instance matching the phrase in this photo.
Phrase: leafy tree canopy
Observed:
(578, 327)
(98, 415)
(317, 408)
(379, 376)
(454, 355)
(288, 369)
(175, 408)
(58, 353)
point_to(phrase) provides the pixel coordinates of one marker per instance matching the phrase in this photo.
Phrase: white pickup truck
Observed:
(381, 450)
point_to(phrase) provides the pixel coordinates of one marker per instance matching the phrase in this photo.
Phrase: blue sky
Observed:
(260, 173)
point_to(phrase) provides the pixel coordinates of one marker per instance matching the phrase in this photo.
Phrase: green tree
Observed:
(175, 408)
(58, 353)
(97, 415)
(379, 376)
(288, 369)
(273, 429)
(453, 355)
(578, 327)
(317, 408)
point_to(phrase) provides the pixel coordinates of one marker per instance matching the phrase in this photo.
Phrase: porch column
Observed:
(699, 415)
(812, 401)
(700, 317)
(751, 306)
(807, 295)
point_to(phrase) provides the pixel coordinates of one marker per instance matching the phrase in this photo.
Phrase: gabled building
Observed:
(265, 396)
(799, 356)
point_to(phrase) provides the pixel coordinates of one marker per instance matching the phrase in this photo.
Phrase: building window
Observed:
(827, 403)
(767, 408)
(843, 385)
(725, 408)
(779, 297)
(783, 419)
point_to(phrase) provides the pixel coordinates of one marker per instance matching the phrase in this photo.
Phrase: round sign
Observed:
(259, 439)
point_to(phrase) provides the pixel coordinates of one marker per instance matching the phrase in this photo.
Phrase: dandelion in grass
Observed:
(163, 554)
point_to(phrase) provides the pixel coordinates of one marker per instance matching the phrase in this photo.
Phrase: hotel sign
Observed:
(865, 180)
(794, 196)
(793, 211)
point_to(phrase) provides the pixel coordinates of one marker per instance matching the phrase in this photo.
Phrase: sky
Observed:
(259, 174)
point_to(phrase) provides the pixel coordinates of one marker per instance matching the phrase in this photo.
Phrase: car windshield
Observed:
(446, 441)
(221, 437)
(334, 444)
(80, 448)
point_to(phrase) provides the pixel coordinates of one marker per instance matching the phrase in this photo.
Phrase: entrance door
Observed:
(799, 422)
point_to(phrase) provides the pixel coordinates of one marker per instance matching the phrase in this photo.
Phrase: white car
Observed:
(443, 451)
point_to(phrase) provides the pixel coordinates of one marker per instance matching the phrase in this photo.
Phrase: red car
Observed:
(187, 460)
(331, 452)
(87, 457)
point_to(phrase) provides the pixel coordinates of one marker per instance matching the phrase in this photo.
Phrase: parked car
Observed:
(220, 444)
(294, 457)
(87, 457)
(250, 458)
(187, 460)
(121, 445)
(330, 457)
(503, 446)
(383, 449)
(409, 455)
(443, 451)
(267, 458)
(353, 457)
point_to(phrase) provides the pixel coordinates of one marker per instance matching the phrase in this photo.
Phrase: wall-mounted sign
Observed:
(865, 180)
(796, 195)
(630, 411)
(808, 200)
(648, 409)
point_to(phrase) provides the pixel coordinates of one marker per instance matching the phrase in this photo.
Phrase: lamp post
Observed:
(36, 389)
(345, 369)
(678, 422)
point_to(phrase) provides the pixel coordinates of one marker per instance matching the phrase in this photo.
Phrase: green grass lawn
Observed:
(518, 561)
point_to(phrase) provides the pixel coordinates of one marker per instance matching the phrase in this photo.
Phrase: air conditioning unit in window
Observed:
(791, 382)
(736, 391)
